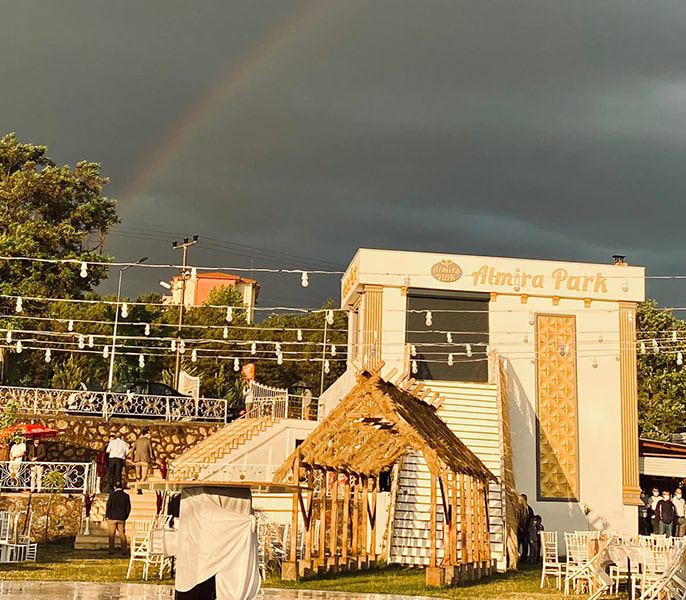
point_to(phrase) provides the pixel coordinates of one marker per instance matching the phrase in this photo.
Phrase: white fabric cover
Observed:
(218, 537)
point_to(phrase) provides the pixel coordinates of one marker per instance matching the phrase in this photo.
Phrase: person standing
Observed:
(666, 514)
(526, 516)
(117, 511)
(143, 455)
(679, 507)
(37, 455)
(654, 499)
(17, 452)
(117, 450)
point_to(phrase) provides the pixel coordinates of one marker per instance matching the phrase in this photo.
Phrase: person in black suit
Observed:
(37, 454)
(117, 511)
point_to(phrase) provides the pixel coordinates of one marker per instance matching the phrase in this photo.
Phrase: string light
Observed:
(124, 310)
(229, 313)
(643, 347)
(327, 366)
(329, 317)
(304, 280)
(48, 355)
(147, 329)
(450, 360)
(8, 337)
(413, 350)
(625, 285)
(91, 341)
(82, 342)
(236, 365)
(333, 349)
(225, 333)
(595, 362)
(656, 347)
(105, 351)
(19, 347)
(253, 348)
(141, 361)
(428, 319)
(173, 345)
(449, 337)
(531, 318)
(526, 338)
(414, 367)
(300, 335)
(194, 355)
(279, 359)
(84, 270)
(277, 347)
(70, 325)
(468, 350)
(182, 347)
(18, 306)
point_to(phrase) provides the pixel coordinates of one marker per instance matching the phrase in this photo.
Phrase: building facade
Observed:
(557, 337)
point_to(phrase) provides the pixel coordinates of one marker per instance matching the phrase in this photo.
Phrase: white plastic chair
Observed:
(577, 556)
(552, 566)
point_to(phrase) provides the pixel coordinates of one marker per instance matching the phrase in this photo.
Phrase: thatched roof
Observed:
(374, 425)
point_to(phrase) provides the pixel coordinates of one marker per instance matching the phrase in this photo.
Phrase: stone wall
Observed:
(81, 439)
(65, 514)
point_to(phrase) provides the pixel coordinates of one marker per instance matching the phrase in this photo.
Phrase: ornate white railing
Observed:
(37, 477)
(109, 404)
(203, 471)
(266, 401)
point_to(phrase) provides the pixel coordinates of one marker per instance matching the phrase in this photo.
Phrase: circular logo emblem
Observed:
(446, 271)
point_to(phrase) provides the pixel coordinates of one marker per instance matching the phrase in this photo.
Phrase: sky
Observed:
(290, 133)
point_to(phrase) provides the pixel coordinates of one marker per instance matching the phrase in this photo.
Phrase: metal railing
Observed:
(76, 477)
(111, 404)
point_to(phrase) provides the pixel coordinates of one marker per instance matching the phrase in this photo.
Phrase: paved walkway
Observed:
(68, 590)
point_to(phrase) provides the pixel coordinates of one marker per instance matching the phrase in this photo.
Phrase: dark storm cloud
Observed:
(532, 128)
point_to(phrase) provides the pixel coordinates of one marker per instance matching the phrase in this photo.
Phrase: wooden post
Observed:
(322, 520)
(333, 532)
(294, 516)
(433, 524)
(356, 517)
(364, 509)
(372, 542)
(310, 525)
(463, 521)
(453, 530)
(346, 519)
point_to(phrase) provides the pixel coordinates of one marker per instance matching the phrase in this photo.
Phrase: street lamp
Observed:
(116, 322)
(184, 247)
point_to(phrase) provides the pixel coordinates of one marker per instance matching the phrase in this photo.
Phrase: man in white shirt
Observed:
(117, 450)
(654, 499)
(680, 506)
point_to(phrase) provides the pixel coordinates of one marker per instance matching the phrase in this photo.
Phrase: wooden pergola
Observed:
(364, 436)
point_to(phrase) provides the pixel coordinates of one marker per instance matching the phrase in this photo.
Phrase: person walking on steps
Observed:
(117, 511)
(143, 456)
(117, 450)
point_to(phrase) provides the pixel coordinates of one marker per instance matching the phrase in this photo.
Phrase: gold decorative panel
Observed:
(558, 441)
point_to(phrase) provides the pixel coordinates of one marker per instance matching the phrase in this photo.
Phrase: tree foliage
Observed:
(661, 381)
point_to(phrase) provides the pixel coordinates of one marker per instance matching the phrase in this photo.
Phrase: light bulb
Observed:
(173, 345)
(253, 348)
(182, 347)
(656, 347)
(124, 310)
(194, 355)
(526, 338)
(679, 359)
(531, 318)
(468, 350)
(84, 270)
(236, 365)
(414, 367)
(70, 325)
(300, 335)
(91, 341)
(225, 333)
(333, 349)
(279, 359)
(19, 347)
(449, 336)
(625, 285)
(18, 307)
(450, 360)
(229, 313)
(82, 342)
(304, 280)
(595, 362)
(429, 319)
(643, 347)
(48, 355)
(141, 361)
(105, 351)
(327, 366)
(8, 337)
(329, 317)
(277, 347)
(147, 329)
(413, 350)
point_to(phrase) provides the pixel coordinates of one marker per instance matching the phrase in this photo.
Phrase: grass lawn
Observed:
(59, 562)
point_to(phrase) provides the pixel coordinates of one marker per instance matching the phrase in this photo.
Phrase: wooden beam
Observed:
(356, 516)
(309, 530)
(322, 517)
(372, 519)
(363, 525)
(433, 536)
(346, 518)
(333, 532)
(294, 512)
(463, 520)
(453, 529)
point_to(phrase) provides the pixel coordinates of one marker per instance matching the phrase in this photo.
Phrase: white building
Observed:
(564, 334)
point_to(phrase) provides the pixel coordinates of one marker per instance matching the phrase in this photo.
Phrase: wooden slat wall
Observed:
(471, 411)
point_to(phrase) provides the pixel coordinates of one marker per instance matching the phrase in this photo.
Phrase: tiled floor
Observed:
(67, 590)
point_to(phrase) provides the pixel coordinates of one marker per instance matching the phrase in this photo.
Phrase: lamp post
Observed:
(185, 246)
(116, 322)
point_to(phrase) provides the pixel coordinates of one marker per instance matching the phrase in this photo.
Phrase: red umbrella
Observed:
(30, 430)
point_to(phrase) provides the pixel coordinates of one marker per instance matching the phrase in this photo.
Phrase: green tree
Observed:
(661, 380)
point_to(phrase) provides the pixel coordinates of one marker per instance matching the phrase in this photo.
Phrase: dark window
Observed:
(465, 316)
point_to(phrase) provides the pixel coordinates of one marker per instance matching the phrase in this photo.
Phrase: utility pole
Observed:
(185, 246)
